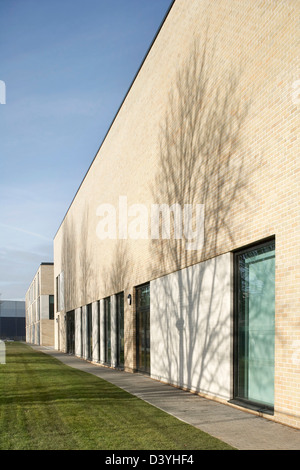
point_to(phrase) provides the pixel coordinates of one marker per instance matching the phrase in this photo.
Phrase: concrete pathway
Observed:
(240, 429)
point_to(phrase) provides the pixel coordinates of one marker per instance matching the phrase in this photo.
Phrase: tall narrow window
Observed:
(60, 292)
(99, 336)
(89, 332)
(143, 328)
(70, 320)
(51, 307)
(255, 325)
(120, 329)
(57, 294)
(107, 330)
(81, 331)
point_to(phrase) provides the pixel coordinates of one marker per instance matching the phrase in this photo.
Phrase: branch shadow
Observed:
(116, 276)
(200, 162)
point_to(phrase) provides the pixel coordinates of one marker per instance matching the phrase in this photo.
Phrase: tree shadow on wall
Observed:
(69, 264)
(201, 161)
(116, 276)
(86, 271)
(77, 267)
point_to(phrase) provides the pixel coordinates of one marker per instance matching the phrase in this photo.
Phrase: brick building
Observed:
(39, 301)
(179, 254)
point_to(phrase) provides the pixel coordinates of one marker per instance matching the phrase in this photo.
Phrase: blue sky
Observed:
(67, 65)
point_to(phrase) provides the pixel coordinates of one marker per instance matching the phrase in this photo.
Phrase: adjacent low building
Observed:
(179, 254)
(12, 320)
(40, 307)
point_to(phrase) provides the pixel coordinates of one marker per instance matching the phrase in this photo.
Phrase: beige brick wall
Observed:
(39, 331)
(47, 282)
(47, 332)
(210, 119)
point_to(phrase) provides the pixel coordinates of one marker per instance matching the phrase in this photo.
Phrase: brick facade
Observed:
(210, 119)
(39, 325)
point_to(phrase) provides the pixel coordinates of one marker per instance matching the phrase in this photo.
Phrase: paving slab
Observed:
(236, 427)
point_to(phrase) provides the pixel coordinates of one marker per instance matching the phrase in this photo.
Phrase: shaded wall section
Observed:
(191, 327)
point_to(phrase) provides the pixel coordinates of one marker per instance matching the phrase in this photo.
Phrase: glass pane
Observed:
(98, 320)
(143, 328)
(120, 317)
(51, 307)
(147, 340)
(256, 324)
(141, 341)
(107, 330)
(143, 296)
(89, 331)
(71, 332)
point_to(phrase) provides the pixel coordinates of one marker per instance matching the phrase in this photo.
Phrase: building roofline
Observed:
(46, 263)
(122, 102)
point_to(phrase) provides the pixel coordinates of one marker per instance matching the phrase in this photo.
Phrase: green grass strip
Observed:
(46, 405)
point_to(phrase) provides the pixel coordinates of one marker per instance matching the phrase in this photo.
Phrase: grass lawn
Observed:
(46, 405)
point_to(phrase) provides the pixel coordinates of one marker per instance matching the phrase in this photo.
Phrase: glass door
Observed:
(255, 325)
(143, 328)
